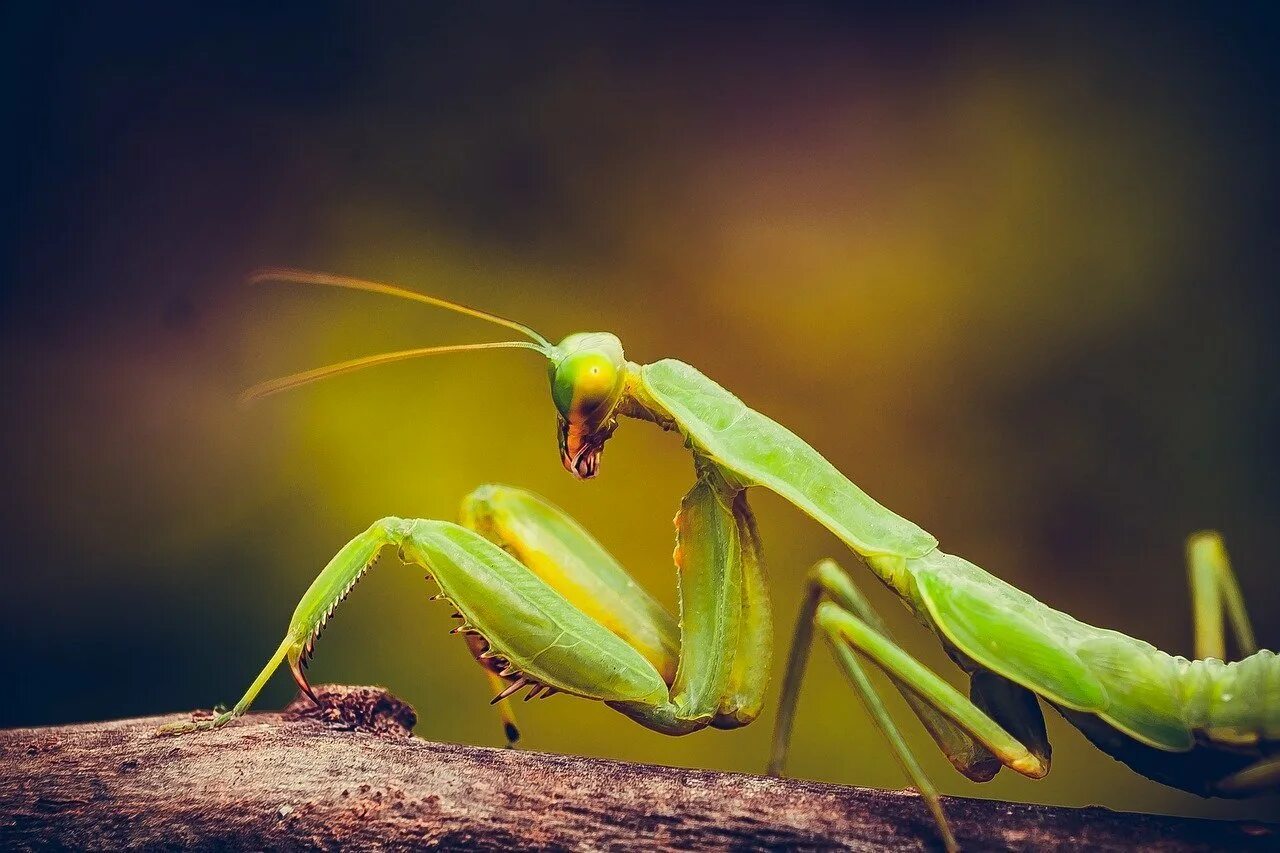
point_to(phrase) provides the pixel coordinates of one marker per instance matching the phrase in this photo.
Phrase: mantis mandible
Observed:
(543, 606)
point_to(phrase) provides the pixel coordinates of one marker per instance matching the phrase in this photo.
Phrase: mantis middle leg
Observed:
(974, 732)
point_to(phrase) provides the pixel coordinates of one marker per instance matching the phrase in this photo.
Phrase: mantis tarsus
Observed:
(543, 606)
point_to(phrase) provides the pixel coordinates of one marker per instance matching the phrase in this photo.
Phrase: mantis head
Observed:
(587, 369)
(588, 378)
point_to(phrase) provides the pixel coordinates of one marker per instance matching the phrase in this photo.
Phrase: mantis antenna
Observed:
(284, 383)
(295, 276)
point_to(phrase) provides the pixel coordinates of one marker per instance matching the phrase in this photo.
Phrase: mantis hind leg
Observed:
(1213, 587)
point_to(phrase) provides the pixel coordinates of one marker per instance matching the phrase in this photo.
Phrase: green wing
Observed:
(762, 452)
(1127, 682)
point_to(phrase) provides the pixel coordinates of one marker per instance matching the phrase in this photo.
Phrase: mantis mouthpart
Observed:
(545, 607)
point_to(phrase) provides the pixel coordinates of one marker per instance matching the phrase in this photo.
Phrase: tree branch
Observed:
(348, 774)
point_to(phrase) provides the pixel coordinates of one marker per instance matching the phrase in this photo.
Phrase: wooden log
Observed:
(349, 774)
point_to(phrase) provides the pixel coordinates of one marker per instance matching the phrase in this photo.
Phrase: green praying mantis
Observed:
(543, 606)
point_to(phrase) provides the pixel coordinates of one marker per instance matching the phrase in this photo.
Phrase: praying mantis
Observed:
(543, 605)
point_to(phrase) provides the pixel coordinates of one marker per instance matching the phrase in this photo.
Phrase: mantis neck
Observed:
(638, 403)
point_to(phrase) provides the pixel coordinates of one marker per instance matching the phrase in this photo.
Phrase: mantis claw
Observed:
(297, 663)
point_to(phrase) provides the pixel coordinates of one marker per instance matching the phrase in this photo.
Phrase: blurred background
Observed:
(1012, 270)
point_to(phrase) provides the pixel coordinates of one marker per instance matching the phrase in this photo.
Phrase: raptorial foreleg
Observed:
(542, 639)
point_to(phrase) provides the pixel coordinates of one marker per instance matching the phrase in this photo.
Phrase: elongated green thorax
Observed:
(759, 451)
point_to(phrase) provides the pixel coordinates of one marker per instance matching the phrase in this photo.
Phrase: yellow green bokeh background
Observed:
(1013, 272)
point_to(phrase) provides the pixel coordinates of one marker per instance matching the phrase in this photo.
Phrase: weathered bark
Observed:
(350, 775)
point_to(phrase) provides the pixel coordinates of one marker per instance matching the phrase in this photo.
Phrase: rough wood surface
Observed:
(349, 774)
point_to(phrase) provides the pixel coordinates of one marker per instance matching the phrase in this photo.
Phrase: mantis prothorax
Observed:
(545, 607)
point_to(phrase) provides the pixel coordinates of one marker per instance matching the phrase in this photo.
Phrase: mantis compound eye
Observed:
(583, 383)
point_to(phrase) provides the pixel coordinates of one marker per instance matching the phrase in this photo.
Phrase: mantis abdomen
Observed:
(1128, 696)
